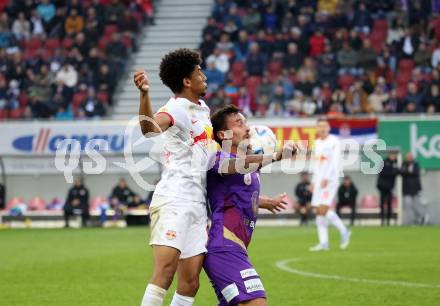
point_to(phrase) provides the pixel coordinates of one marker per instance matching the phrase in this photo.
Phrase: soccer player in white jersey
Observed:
(178, 208)
(325, 182)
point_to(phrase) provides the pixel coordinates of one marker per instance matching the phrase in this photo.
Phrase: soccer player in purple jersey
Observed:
(234, 199)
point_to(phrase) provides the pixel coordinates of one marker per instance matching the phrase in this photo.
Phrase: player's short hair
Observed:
(176, 66)
(218, 119)
(322, 119)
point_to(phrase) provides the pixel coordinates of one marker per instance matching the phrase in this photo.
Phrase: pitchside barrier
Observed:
(30, 173)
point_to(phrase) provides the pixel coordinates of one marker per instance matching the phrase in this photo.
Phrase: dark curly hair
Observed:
(218, 119)
(176, 66)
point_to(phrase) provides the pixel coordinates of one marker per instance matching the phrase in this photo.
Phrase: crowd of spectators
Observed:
(62, 58)
(334, 57)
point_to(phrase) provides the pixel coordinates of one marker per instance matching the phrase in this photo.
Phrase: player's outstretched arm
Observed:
(149, 123)
(253, 162)
(275, 205)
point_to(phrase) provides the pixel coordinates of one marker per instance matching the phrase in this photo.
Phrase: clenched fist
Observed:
(141, 81)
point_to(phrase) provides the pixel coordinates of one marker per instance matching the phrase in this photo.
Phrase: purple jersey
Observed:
(233, 199)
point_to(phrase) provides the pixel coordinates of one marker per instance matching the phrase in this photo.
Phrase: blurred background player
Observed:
(178, 208)
(304, 196)
(77, 202)
(347, 196)
(385, 184)
(234, 199)
(325, 181)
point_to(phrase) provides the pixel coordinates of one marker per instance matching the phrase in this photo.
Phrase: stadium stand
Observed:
(63, 59)
(383, 55)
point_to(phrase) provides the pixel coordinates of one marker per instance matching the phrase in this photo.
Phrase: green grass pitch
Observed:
(106, 267)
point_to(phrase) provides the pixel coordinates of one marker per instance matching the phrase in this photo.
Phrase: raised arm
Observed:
(253, 162)
(148, 122)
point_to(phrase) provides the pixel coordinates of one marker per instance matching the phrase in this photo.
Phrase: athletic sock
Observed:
(322, 225)
(153, 296)
(180, 300)
(334, 219)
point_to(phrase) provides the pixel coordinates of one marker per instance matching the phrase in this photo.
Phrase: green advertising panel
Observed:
(421, 137)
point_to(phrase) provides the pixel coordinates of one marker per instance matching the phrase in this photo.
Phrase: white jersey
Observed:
(187, 145)
(326, 160)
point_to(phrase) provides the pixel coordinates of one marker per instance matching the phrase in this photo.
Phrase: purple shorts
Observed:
(233, 277)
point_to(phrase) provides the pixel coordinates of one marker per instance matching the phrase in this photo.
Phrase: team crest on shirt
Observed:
(170, 234)
(247, 179)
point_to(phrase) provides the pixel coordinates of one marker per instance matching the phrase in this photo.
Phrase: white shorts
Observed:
(324, 196)
(179, 224)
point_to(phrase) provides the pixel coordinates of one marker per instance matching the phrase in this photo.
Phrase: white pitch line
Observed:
(283, 265)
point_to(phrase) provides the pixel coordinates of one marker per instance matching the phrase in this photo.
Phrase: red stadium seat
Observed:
(380, 25)
(67, 43)
(103, 97)
(13, 202)
(369, 201)
(52, 43)
(110, 29)
(103, 42)
(78, 98)
(37, 204)
(406, 65)
(96, 201)
(127, 41)
(401, 92)
(252, 84)
(238, 67)
(3, 114)
(402, 79)
(345, 81)
(33, 43)
(16, 113)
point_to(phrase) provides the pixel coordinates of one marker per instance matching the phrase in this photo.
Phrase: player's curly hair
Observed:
(176, 66)
(218, 119)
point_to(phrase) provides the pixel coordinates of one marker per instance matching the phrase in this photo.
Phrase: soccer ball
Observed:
(263, 140)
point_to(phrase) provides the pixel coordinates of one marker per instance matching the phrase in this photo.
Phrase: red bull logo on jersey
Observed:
(206, 137)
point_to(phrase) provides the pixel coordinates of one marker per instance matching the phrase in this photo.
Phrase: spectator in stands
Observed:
(293, 59)
(77, 203)
(347, 196)
(2, 197)
(117, 51)
(256, 62)
(241, 48)
(21, 27)
(103, 79)
(64, 113)
(264, 45)
(221, 61)
(212, 29)
(435, 61)
(67, 75)
(219, 100)
(244, 102)
(206, 47)
(413, 99)
(92, 107)
(362, 19)
(252, 19)
(231, 29)
(74, 23)
(432, 99)
(385, 185)
(225, 45)
(377, 99)
(367, 56)
(113, 11)
(303, 195)
(270, 19)
(422, 58)
(214, 77)
(408, 44)
(328, 70)
(347, 59)
(46, 10)
(357, 100)
(317, 43)
(411, 187)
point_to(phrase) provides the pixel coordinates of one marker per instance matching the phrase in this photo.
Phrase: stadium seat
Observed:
(406, 65)
(380, 25)
(13, 202)
(33, 43)
(37, 204)
(369, 201)
(110, 29)
(52, 43)
(16, 113)
(102, 97)
(252, 84)
(68, 43)
(345, 81)
(96, 201)
(3, 114)
(238, 67)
